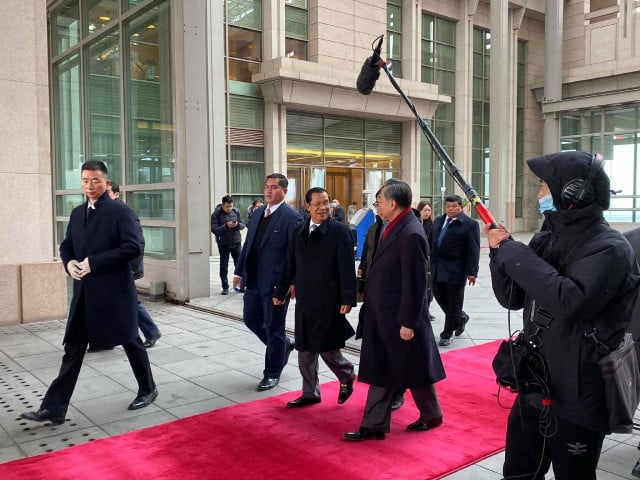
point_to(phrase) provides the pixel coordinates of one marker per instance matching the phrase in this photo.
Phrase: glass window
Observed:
(245, 44)
(344, 127)
(246, 112)
(160, 242)
(103, 104)
(304, 149)
(68, 123)
(245, 13)
(295, 20)
(247, 178)
(153, 204)
(343, 152)
(65, 27)
(66, 203)
(150, 120)
(295, 48)
(98, 13)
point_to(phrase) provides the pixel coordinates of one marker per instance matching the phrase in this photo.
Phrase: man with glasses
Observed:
(455, 260)
(319, 274)
(261, 262)
(398, 347)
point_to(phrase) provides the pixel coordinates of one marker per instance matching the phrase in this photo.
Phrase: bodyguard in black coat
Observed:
(455, 258)
(577, 274)
(320, 275)
(398, 346)
(101, 241)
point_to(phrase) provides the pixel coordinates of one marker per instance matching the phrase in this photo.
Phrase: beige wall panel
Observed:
(25, 204)
(447, 8)
(343, 6)
(19, 132)
(18, 46)
(44, 292)
(10, 295)
(336, 18)
(603, 43)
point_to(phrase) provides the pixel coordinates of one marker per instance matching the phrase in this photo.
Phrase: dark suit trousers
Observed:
(267, 321)
(450, 298)
(225, 251)
(59, 393)
(377, 410)
(308, 364)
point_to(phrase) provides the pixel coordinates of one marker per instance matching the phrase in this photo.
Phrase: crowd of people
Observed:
(576, 274)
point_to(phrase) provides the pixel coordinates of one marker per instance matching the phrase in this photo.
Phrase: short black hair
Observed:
(282, 180)
(311, 191)
(454, 198)
(115, 188)
(95, 165)
(399, 191)
(227, 199)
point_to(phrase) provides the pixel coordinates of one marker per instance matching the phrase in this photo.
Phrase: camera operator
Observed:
(576, 274)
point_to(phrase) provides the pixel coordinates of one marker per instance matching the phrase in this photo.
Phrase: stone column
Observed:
(553, 44)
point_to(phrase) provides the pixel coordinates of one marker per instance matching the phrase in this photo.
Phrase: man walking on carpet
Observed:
(398, 347)
(455, 259)
(269, 238)
(102, 239)
(320, 274)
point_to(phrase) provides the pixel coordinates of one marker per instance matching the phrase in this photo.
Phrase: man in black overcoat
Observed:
(398, 347)
(101, 241)
(319, 273)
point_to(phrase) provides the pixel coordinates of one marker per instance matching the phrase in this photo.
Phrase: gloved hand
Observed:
(74, 269)
(84, 267)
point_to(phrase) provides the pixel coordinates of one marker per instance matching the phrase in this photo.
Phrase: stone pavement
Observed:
(206, 359)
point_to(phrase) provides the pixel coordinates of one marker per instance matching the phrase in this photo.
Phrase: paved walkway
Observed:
(206, 359)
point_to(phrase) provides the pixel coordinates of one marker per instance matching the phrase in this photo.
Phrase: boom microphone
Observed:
(370, 71)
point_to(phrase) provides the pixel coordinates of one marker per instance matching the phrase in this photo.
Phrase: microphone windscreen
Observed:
(369, 74)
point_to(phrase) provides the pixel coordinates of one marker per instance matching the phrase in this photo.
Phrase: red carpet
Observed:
(264, 440)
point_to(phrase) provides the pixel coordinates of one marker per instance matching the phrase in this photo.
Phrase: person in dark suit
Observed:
(455, 259)
(320, 274)
(101, 241)
(261, 262)
(148, 327)
(398, 346)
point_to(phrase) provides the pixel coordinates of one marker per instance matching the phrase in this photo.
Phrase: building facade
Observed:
(188, 100)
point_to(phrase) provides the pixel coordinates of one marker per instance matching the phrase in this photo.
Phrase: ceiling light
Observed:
(104, 18)
(151, 27)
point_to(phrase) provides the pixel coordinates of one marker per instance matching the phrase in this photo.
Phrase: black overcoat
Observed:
(109, 237)
(322, 270)
(397, 296)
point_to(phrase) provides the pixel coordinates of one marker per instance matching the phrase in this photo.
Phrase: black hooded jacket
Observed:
(582, 274)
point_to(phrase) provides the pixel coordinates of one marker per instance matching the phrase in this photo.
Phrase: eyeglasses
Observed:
(375, 204)
(320, 204)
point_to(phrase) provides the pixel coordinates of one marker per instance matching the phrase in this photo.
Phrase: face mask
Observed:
(546, 204)
(333, 205)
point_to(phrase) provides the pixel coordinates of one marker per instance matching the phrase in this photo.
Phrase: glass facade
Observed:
(112, 101)
(296, 26)
(345, 155)
(615, 133)
(394, 36)
(438, 65)
(480, 155)
(519, 166)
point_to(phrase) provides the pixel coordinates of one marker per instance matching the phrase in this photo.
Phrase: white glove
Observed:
(84, 267)
(73, 267)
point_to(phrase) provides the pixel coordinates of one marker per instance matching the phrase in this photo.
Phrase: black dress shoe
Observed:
(464, 318)
(445, 342)
(346, 389)
(144, 400)
(363, 434)
(420, 426)
(636, 470)
(290, 347)
(397, 402)
(225, 291)
(44, 416)
(267, 384)
(150, 342)
(302, 402)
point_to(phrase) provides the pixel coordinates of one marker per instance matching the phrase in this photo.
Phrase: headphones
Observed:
(579, 192)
